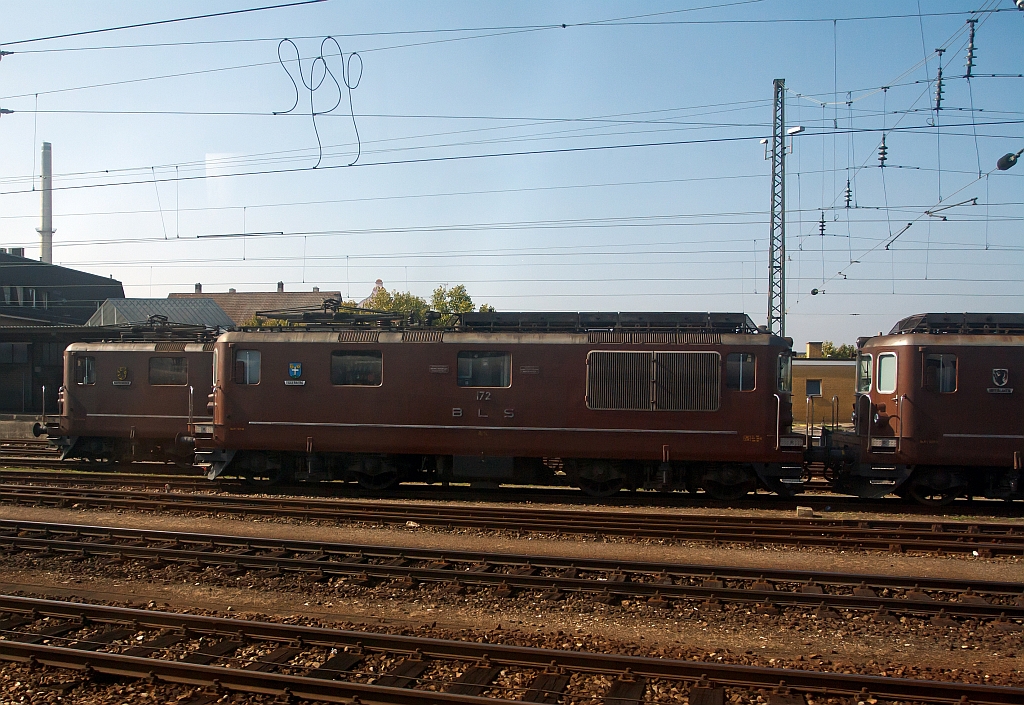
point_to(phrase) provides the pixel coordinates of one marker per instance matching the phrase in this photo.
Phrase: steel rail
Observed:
(982, 538)
(610, 579)
(541, 659)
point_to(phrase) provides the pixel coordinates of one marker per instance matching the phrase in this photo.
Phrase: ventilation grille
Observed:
(422, 336)
(642, 337)
(208, 347)
(358, 336)
(170, 347)
(646, 381)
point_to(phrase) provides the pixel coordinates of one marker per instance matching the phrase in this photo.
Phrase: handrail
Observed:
(809, 425)
(778, 420)
(899, 416)
(835, 411)
(191, 430)
(44, 406)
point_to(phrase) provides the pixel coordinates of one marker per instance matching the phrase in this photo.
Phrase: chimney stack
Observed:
(280, 287)
(46, 228)
(199, 288)
(814, 350)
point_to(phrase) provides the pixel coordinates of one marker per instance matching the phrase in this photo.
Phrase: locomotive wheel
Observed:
(379, 481)
(602, 488)
(729, 483)
(935, 488)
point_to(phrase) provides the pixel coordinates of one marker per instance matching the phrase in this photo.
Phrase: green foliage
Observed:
(831, 351)
(402, 302)
(255, 321)
(447, 301)
(487, 308)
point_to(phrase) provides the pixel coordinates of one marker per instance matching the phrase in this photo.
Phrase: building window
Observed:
(887, 373)
(168, 371)
(940, 372)
(485, 369)
(864, 373)
(30, 297)
(739, 371)
(14, 353)
(813, 387)
(247, 366)
(85, 369)
(356, 368)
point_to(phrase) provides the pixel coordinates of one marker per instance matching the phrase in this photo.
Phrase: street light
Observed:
(1008, 159)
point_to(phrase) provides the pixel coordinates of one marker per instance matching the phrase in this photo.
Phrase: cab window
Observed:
(739, 372)
(785, 372)
(247, 366)
(85, 369)
(863, 374)
(940, 372)
(172, 371)
(356, 369)
(886, 373)
(479, 368)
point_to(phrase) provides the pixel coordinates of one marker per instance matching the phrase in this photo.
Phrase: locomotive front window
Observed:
(785, 372)
(168, 371)
(940, 372)
(247, 366)
(739, 371)
(864, 373)
(887, 373)
(356, 368)
(485, 369)
(85, 369)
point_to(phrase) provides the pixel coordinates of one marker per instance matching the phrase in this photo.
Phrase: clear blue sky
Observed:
(613, 164)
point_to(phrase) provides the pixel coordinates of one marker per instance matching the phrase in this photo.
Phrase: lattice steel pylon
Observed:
(777, 238)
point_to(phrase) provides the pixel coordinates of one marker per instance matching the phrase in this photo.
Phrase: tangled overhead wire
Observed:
(319, 70)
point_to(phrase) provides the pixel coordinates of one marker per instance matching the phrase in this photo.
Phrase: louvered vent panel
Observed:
(700, 338)
(422, 336)
(358, 336)
(686, 381)
(631, 337)
(170, 347)
(208, 347)
(619, 380)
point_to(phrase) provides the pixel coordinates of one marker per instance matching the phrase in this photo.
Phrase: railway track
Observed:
(985, 539)
(660, 584)
(161, 476)
(294, 661)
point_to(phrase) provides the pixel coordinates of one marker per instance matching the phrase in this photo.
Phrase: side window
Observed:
(785, 372)
(886, 373)
(813, 387)
(168, 371)
(864, 373)
(247, 366)
(739, 371)
(85, 369)
(485, 369)
(940, 372)
(356, 368)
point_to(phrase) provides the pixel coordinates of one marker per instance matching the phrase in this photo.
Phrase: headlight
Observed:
(205, 429)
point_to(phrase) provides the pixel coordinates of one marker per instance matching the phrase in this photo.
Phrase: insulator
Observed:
(883, 152)
(848, 194)
(970, 48)
(938, 90)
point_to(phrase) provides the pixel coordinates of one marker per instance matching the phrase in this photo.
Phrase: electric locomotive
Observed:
(599, 401)
(939, 411)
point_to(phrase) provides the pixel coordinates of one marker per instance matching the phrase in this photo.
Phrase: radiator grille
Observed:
(700, 338)
(631, 337)
(649, 381)
(619, 380)
(686, 381)
(208, 347)
(170, 347)
(422, 336)
(358, 336)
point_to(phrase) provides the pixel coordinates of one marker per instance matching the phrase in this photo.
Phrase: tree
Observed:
(831, 351)
(448, 301)
(401, 302)
(487, 308)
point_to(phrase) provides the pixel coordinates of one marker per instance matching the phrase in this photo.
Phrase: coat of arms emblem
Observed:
(1000, 376)
(122, 374)
(294, 370)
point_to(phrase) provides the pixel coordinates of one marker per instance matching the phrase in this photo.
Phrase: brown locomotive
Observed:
(124, 401)
(599, 401)
(939, 411)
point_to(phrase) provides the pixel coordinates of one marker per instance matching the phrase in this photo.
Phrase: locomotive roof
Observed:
(560, 321)
(961, 324)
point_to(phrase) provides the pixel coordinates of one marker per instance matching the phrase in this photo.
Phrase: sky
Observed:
(565, 156)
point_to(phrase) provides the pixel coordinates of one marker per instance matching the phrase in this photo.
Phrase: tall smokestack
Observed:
(46, 229)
